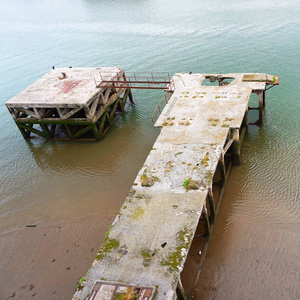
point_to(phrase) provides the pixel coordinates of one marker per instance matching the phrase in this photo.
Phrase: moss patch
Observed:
(174, 260)
(178, 153)
(147, 254)
(147, 181)
(205, 160)
(106, 247)
(137, 213)
(80, 285)
(186, 182)
(194, 185)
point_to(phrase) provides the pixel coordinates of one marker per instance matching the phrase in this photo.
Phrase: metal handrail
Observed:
(138, 80)
(159, 107)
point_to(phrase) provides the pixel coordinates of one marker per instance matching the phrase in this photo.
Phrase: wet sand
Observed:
(254, 250)
(46, 261)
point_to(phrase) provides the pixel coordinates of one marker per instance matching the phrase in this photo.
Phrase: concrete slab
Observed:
(184, 80)
(77, 89)
(148, 242)
(169, 165)
(196, 107)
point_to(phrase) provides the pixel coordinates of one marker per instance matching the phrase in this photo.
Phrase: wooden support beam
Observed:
(24, 132)
(125, 98)
(113, 111)
(68, 130)
(46, 131)
(54, 121)
(236, 149)
(245, 122)
(96, 132)
(261, 106)
(30, 129)
(37, 113)
(243, 133)
(181, 295)
(107, 115)
(82, 131)
(211, 203)
(102, 124)
(227, 146)
(120, 104)
(222, 170)
(206, 222)
(71, 112)
(52, 130)
(49, 113)
(130, 96)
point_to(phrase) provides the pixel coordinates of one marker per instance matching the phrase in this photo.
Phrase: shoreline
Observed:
(46, 261)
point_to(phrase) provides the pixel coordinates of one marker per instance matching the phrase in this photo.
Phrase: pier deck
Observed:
(148, 243)
(69, 103)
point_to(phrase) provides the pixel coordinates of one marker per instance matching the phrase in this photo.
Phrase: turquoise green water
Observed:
(259, 216)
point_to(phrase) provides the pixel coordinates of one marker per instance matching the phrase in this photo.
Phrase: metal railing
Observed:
(135, 80)
(160, 106)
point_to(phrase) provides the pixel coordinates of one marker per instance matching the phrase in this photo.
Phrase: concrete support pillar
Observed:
(236, 147)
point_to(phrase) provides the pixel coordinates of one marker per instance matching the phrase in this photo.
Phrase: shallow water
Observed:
(53, 182)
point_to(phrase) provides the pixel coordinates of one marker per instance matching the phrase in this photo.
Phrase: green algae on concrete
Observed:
(137, 213)
(175, 259)
(107, 245)
(147, 254)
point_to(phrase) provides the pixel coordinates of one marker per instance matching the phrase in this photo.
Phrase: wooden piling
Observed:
(206, 223)
(211, 202)
(261, 107)
(180, 291)
(236, 149)
(222, 169)
(245, 122)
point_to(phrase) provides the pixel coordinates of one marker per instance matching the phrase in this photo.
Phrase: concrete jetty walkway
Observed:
(145, 248)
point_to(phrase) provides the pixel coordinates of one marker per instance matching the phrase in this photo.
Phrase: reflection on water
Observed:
(254, 252)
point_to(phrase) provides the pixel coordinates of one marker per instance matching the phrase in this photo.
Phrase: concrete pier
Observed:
(144, 251)
(68, 103)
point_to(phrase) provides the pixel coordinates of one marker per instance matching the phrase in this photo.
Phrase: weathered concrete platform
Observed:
(71, 99)
(149, 241)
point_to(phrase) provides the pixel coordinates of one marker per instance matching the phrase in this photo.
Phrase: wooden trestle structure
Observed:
(67, 103)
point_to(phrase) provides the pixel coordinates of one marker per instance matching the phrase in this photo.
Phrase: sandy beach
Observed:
(46, 261)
